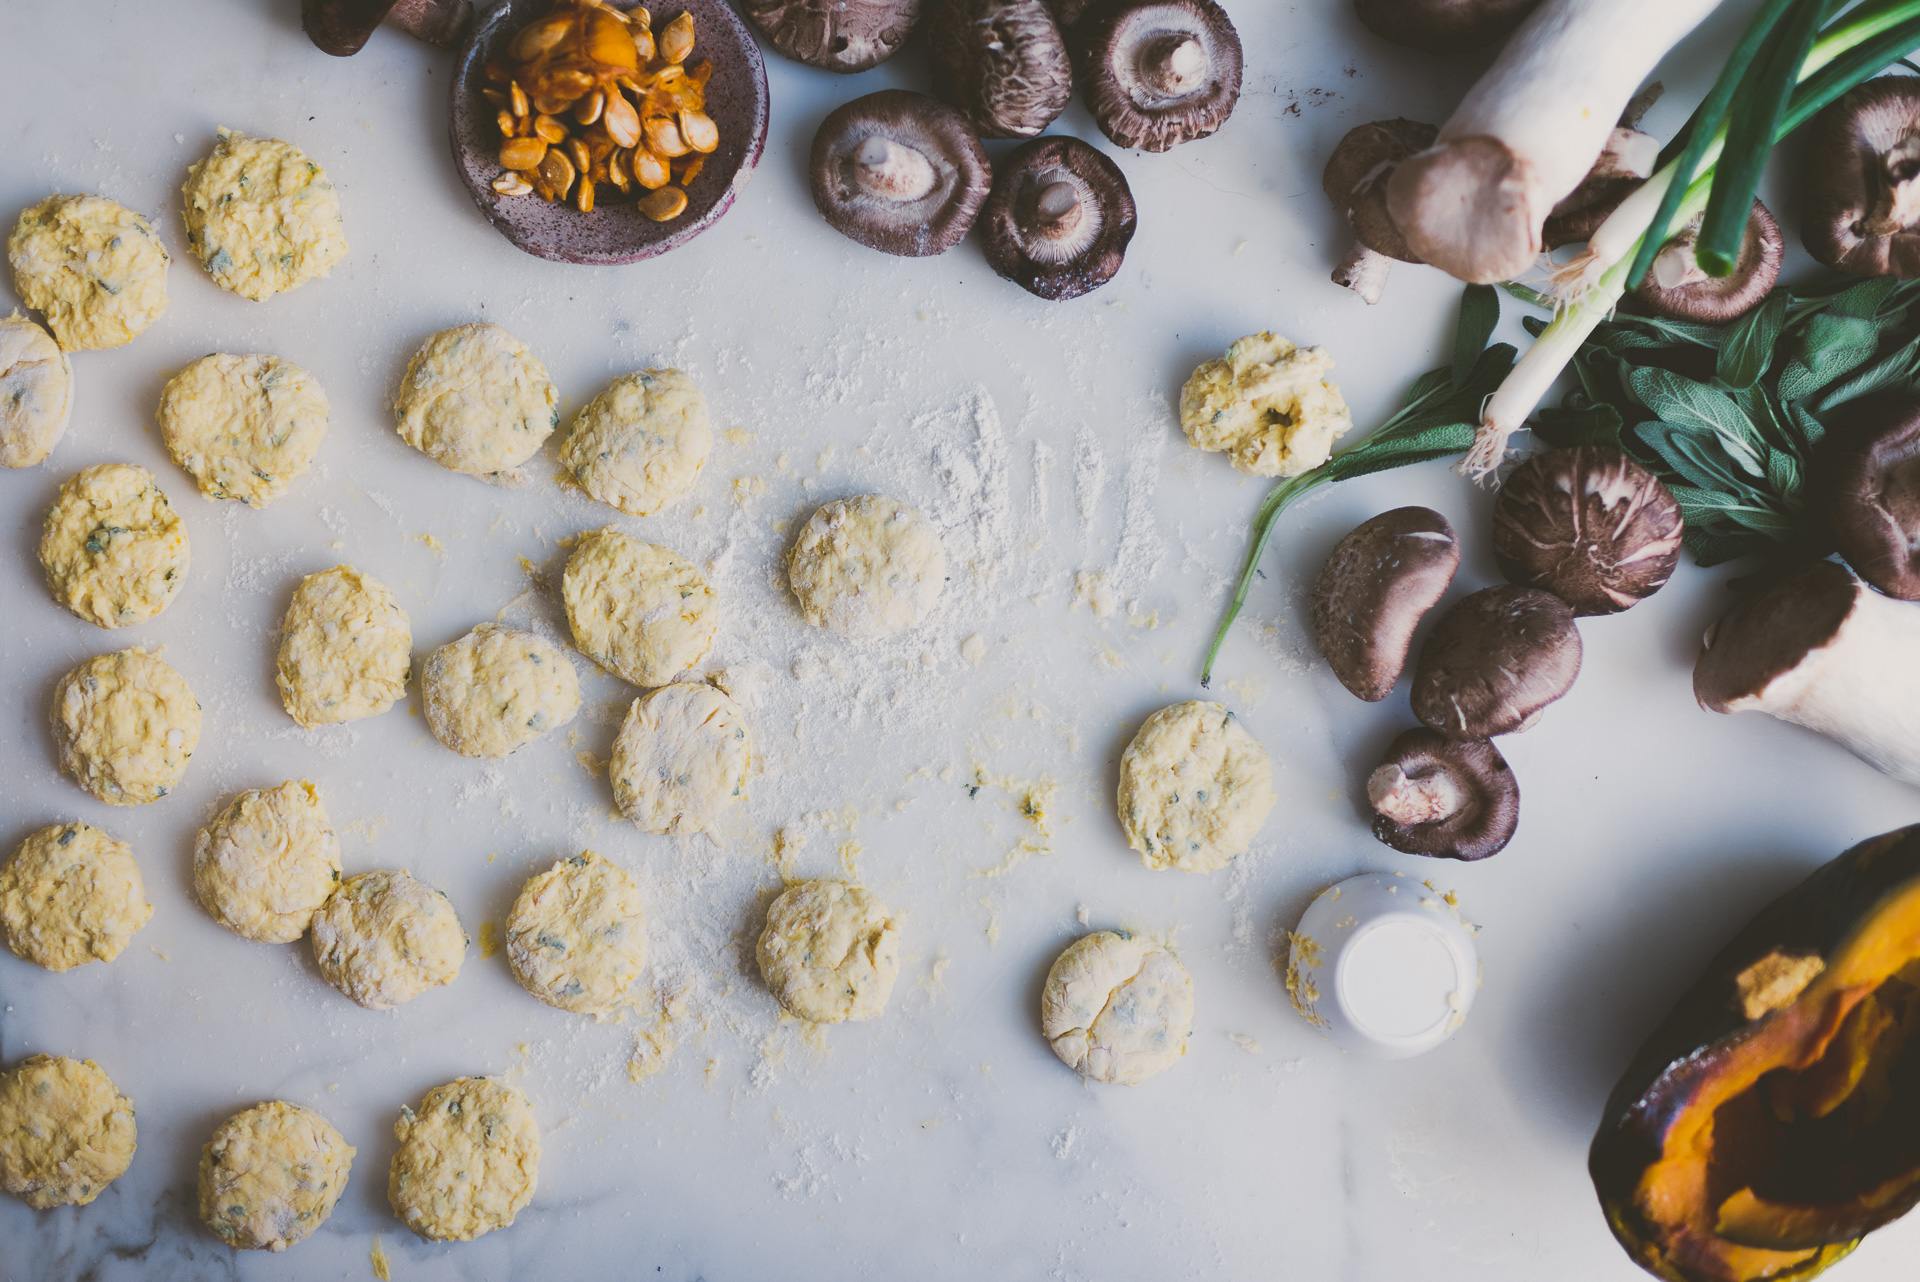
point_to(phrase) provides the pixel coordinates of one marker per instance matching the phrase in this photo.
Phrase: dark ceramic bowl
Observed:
(616, 231)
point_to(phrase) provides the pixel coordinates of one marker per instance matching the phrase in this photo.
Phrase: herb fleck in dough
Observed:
(36, 392)
(243, 426)
(1117, 1008)
(125, 725)
(497, 689)
(680, 759)
(271, 1175)
(1194, 788)
(867, 566)
(577, 935)
(114, 550)
(93, 268)
(1268, 404)
(477, 401)
(640, 444)
(71, 895)
(268, 862)
(65, 1132)
(830, 952)
(384, 938)
(637, 609)
(345, 649)
(261, 216)
(468, 1160)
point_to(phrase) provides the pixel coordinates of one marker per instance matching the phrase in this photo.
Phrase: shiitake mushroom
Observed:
(835, 35)
(1589, 525)
(1059, 219)
(899, 172)
(1002, 63)
(1156, 73)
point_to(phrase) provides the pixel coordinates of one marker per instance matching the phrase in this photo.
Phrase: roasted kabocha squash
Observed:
(1773, 1119)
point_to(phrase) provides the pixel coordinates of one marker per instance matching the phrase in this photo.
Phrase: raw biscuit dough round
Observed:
(125, 725)
(1268, 404)
(640, 444)
(36, 392)
(114, 550)
(269, 860)
(1117, 1007)
(384, 938)
(497, 689)
(345, 649)
(261, 217)
(477, 401)
(867, 566)
(468, 1160)
(271, 1175)
(637, 609)
(1194, 788)
(577, 935)
(71, 895)
(243, 426)
(65, 1131)
(680, 758)
(830, 952)
(92, 267)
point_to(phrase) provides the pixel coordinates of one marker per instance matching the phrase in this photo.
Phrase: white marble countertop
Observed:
(943, 1140)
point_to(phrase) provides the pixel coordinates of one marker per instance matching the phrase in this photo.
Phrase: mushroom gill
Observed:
(1059, 219)
(899, 172)
(1156, 73)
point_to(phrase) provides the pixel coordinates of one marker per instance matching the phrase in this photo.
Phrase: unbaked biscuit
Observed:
(1268, 404)
(113, 549)
(65, 1132)
(639, 445)
(497, 689)
(384, 938)
(71, 895)
(1117, 1007)
(477, 401)
(345, 649)
(680, 758)
(261, 217)
(268, 861)
(637, 609)
(36, 392)
(1194, 788)
(93, 268)
(577, 935)
(243, 426)
(271, 1175)
(468, 1160)
(830, 952)
(867, 566)
(125, 725)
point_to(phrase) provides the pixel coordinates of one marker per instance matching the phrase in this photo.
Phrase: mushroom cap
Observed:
(1003, 63)
(1156, 73)
(1863, 187)
(1494, 661)
(1771, 633)
(1448, 798)
(1355, 179)
(1044, 251)
(1442, 26)
(1626, 161)
(1873, 495)
(835, 35)
(1068, 12)
(1378, 583)
(342, 27)
(1589, 525)
(853, 194)
(1694, 295)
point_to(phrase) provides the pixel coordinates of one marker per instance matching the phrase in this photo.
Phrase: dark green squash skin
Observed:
(1816, 917)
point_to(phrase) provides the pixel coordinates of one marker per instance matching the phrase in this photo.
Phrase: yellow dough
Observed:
(1194, 788)
(384, 938)
(497, 689)
(477, 401)
(93, 268)
(867, 566)
(65, 1132)
(345, 649)
(681, 758)
(271, 1175)
(1268, 404)
(577, 935)
(467, 1162)
(243, 426)
(125, 724)
(830, 952)
(1117, 1008)
(113, 548)
(639, 445)
(262, 217)
(36, 392)
(268, 862)
(71, 895)
(637, 609)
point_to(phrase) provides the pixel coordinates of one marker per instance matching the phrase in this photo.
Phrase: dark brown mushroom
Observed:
(1003, 63)
(1378, 583)
(1059, 219)
(1628, 158)
(1589, 525)
(1873, 494)
(835, 35)
(1443, 26)
(1863, 190)
(1494, 661)
(1448, 798)
(1355, 180)
(1157, 73)
(899, 172)
(1676, 288)
(1069, 12)
(342, 27)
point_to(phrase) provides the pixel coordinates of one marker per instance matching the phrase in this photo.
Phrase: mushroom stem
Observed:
(1364, 272)
(1059, 208)
(1896, 205)
(1675, 265)
(891, 170)
(1408, 801)
(1173, 66)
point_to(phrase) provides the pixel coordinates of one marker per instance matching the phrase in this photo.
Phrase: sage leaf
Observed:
(1747, 349)
(1691, 406)
(1896, 368)
(1479, 313)
(1829, 348)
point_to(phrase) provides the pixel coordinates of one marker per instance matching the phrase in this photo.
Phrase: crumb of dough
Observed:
(71, 895)
(974, 649)
(65, 1131)
(866, 567)
(384, 938)
(244, 427)
(498, 689)
(680, 759)
(655, 1043)
(639, 610)
(477, 401)
(1091, 589)
(1251, 1045)
(640, 444)
(830, 952)
(468, 1160)
(1304, 954)
(1268, 404)
(36, 392)
(271, 1175)
(489, 938)
(346, 649)
(264, 866)
(577, 935)
(378, 1259)
(261, 217)
(1194, 788)
(92, 267)
(114, 550)
(1117, 1007)
(125, 725)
